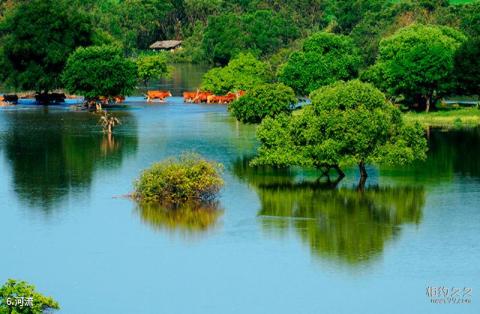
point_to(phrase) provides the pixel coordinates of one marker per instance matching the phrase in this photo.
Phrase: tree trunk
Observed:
(363, 175)
(428, 104)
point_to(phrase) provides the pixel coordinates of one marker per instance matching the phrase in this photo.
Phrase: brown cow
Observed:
(189, 96)
(119, 99)
(196, 97)
(157, 94)
(213, 99)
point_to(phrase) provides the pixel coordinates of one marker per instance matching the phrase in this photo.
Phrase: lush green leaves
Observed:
(467, 68)
(324, 59)
(39, 37)
(261, 32)
(178, 180)
(99, 71)
(347, 123)
(418, 60)
(152, 66)
(266, 100)
(242, 73)
(16, 289)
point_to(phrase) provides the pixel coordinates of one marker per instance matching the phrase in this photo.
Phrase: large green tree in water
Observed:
(39, 37)
(347, 123)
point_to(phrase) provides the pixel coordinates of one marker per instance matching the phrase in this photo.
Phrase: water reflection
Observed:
(343, 224)
(52, 154)
(191, 218)
(450, 153)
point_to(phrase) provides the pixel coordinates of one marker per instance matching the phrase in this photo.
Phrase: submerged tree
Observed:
(417, 62)
(347, 123)
(99, 71)
(324, 59)
(39, 37)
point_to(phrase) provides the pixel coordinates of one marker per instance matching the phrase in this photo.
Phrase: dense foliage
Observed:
(242, 73)
(467, 68)
(152, 66)
(293, 38)
(179, 180)
(324, 59)
(347, 123)
(17, 289)
(38, 37)
(99, 71)
(266, 100)
(417, 62)
(261, 32)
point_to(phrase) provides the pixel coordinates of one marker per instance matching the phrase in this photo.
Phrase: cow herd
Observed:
(196, 97)
(154, 95)
(210, 98)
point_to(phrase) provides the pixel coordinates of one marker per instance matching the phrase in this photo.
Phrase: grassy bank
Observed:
(446, 118)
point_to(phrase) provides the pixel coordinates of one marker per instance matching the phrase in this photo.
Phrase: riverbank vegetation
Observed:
(451, 118)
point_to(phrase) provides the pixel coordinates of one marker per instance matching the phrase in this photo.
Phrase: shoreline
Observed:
(454, 118)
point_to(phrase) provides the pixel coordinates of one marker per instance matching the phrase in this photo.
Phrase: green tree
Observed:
(417, 62)
(266, 100)
(324, 59)
(467, 68)
(347, 123)
(242, 73)
(152, 66)
(99, 71)
(39, 37)
(261, 32)
(349, 13)
(141, 21)
(16, 289)
(199, 10)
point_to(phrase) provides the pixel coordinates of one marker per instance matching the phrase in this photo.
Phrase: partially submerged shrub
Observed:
(178, 180)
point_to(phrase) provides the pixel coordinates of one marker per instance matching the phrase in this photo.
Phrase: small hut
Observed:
(166, 45)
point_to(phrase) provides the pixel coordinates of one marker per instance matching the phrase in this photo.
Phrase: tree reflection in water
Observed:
(190, 218)
(55, 153)
(342, 224)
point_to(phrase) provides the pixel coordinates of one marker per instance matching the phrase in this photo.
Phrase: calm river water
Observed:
(275, 244)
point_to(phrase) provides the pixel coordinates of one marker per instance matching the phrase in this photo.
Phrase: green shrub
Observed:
(13, 291)
(242, 73)
(99, 71)
(178, 180)
(266, 100)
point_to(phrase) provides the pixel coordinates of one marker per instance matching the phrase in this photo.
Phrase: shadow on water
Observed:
(339, 224)
(188, 219)
(54, 153)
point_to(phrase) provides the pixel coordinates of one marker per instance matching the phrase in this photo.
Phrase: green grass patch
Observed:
(464, 117)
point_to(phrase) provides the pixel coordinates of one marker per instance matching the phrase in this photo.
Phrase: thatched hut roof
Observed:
(166, 44)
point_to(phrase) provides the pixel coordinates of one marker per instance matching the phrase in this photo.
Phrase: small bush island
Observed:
(178, 180)
(266, 100)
